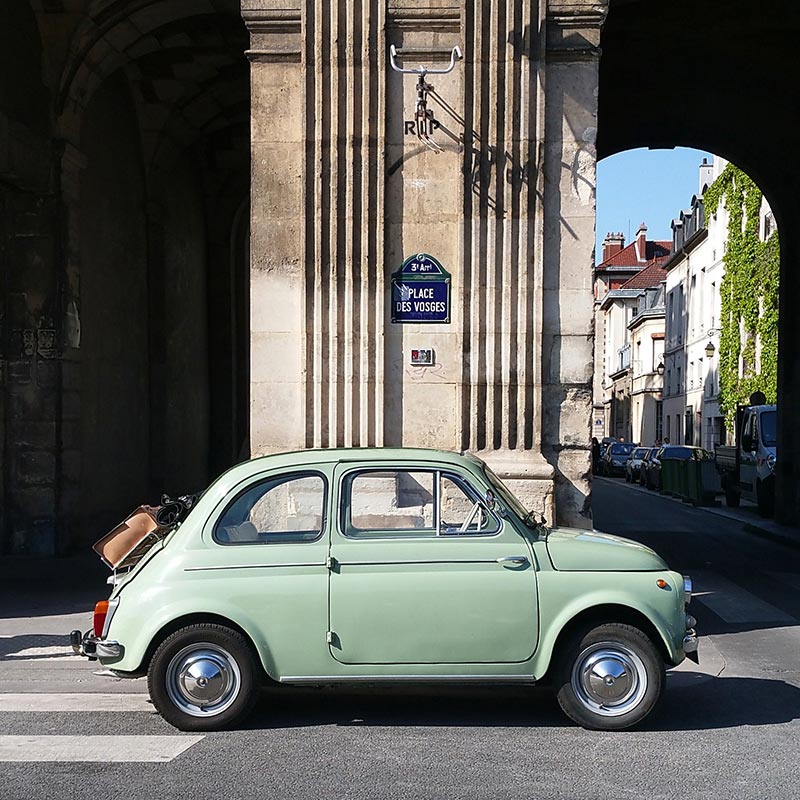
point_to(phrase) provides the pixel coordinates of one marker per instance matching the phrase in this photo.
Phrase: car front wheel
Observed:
(609, 677)
(203, 678)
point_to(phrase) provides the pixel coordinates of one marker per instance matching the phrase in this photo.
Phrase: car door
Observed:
(422, 572)
(747, 458)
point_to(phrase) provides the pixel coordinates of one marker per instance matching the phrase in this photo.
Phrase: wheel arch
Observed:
(197, 618)
(598, 615)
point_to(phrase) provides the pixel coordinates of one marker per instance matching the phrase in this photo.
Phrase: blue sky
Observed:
(649, 186)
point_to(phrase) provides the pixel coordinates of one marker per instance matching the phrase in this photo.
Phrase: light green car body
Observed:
(343, 609)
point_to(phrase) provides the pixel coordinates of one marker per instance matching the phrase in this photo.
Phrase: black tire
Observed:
(221, 657)
(765, 496)
(621, 653)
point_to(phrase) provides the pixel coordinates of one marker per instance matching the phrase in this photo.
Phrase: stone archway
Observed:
(132, 123)
(723, 77)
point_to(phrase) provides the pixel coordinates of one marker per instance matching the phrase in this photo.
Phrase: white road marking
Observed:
(732, 603)
(86, 702)
(105, 749)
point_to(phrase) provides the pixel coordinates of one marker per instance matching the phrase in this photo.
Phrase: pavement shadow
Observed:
(705, 703)
(34, 647)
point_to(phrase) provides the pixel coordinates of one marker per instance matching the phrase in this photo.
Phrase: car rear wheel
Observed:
(609, 677)
(203, 678)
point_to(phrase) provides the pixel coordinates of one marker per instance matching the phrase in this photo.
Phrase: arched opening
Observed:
(124, 169)
(163, 139)
(709, 97)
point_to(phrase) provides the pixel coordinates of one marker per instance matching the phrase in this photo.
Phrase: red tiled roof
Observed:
(649, 277)
(627, 256)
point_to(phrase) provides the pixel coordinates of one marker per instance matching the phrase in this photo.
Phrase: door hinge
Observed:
(330, 562)
(329, 637)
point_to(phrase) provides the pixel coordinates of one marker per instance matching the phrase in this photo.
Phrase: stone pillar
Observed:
(342, 192)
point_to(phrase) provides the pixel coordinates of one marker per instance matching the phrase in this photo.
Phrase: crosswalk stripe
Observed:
(732, 603)
(86, 702)
(104, 749)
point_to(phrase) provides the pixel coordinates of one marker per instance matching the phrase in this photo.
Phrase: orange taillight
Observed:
(100, 612)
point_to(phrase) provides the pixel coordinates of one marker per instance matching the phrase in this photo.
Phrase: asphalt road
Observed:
(730, 728)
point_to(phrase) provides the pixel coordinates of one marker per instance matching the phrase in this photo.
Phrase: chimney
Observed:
(613, 243)
(641, 244)
(706, 177)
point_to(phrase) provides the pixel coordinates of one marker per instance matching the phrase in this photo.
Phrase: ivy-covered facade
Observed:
(721, 337)
(748, 352)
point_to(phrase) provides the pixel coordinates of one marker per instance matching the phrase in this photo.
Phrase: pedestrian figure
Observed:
(595, 456)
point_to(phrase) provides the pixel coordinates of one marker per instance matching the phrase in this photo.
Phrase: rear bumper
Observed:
(92, 647)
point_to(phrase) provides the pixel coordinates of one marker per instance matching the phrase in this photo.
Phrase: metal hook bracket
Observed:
(423, 116)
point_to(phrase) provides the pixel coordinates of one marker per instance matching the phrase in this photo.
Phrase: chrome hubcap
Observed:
(203, 679)
(609, 679)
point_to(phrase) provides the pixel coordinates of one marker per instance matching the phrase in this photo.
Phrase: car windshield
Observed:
(769, 425)
(507, 496)
(621, 449)
(639, 452)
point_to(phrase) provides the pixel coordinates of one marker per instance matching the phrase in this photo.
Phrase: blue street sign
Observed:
(421, 291)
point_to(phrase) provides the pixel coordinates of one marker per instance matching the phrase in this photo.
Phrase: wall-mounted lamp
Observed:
(660, 369)
(710, 349)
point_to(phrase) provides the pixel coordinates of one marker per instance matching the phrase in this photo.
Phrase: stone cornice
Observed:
(573, 29)
(275, 28)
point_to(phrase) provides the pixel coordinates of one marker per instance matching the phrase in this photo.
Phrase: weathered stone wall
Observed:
(342, 193)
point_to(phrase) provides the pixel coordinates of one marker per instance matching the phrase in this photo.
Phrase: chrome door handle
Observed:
(518, 560)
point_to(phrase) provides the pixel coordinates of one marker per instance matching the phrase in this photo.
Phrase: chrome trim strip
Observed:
(406, 678)
(256, 566)
(423, 561)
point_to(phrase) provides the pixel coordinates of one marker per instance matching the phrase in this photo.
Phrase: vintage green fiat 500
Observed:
(387, 566)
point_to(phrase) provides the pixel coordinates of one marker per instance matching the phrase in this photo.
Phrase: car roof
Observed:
(318, 456)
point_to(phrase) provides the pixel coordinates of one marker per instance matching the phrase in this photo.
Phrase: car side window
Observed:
(412, 503)
(284, 509)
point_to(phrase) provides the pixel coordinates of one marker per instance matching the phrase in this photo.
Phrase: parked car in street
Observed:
(383, 566)
(634, 465)
(604, 443)
(648, 462)
(671, 451)
(747, 468)
(616, 458)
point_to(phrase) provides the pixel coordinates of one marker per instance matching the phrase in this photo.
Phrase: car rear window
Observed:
(679, 453)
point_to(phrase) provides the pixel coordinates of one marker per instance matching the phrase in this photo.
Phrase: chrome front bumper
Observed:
(690, 641)
(89, 645)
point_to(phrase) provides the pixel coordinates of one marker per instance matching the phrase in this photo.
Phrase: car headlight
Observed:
(687, 590)
(771, 459)
(616, 462)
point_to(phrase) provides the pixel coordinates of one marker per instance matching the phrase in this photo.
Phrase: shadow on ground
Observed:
(699, 703)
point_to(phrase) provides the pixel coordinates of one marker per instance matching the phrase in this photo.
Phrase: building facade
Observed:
(627, 383)
(695, 273)
(204, 210)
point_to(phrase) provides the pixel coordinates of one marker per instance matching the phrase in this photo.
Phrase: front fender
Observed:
(561, 601)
